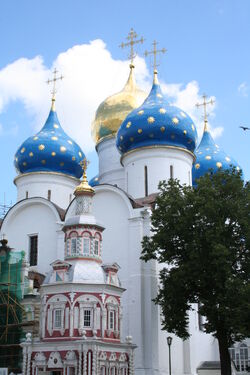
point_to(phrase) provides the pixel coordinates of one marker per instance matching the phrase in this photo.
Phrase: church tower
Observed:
(81, 313)
(108, 118)
(156, 142)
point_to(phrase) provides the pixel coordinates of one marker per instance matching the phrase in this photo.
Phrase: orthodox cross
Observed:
(131, 42)
(204, 105)
(84, 164)
(154, 52)
(53, 81)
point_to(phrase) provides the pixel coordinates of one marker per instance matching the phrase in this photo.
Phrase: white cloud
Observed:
(91, 74)
(243, 89)
(186, 98)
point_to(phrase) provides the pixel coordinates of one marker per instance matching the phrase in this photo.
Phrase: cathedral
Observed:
(83, 240)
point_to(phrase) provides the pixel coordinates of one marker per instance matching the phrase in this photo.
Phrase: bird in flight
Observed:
(244, 128)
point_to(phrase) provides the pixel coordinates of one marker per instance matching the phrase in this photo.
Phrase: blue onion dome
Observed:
(94, 181)
(156, 123)
(50, 150)
(210, 158)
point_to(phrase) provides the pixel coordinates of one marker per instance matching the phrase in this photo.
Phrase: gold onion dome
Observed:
(113, 110)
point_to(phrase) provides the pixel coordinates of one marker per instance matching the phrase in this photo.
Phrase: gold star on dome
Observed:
(151, 120)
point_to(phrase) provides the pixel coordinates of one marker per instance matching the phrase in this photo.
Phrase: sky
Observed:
(207, 52)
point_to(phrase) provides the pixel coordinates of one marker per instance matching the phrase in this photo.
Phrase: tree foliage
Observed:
(201, 236)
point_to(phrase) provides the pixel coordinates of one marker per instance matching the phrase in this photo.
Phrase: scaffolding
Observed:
(11, 310)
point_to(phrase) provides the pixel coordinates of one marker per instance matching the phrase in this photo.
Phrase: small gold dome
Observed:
(113, 110)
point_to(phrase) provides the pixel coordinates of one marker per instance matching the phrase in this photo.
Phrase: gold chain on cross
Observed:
(155, 52)
(53, 81)
(131, 42)
(204, 105)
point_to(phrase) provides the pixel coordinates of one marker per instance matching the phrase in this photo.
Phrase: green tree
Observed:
(201, 236)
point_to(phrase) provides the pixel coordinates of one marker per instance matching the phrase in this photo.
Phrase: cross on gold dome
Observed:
(84, 186)
(204, 104)
(131, 42)
(154, 52)
(53, 81)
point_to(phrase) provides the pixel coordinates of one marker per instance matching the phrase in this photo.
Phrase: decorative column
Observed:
(95, 317)
(94, 361)
(85, 362)
(24, 359)
(80, 327)
(131, 363)
(71, 323)
(104, 320)
(120, 321)
(62, 330)
(80, 362)
(43, 321)
(29, 361)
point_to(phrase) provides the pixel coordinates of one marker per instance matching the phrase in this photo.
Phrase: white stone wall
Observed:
(37, 184)
(110, 168)
(158, 161)
(34, 217)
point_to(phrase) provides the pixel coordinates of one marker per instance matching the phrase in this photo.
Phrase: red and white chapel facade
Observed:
(81, 314)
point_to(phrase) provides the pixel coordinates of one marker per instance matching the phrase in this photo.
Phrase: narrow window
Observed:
(111, 319)
(87, 318)
(27, 194)
(57, 318)
(33, 250)
(146, 180)
(70, 198)
(96, 247)
(86, 243)
(73, 246)
(171, 171)
(49, 195)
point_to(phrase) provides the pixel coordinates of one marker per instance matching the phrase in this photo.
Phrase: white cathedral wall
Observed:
(38, 184)
(110, 168)
(33, 217)
(158, 161)
(204, 347)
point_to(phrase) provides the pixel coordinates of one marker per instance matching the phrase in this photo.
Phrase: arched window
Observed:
(73, 244)
(86, 243)
(97, 244)
(112, 372)
(103, 370)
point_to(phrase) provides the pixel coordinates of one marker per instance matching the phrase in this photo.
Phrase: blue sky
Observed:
(208, 48)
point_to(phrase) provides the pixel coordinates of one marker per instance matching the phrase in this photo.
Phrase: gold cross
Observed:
(84, 164)
(204, 104)
(131, 42)
(53, 81)
(154, 52)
